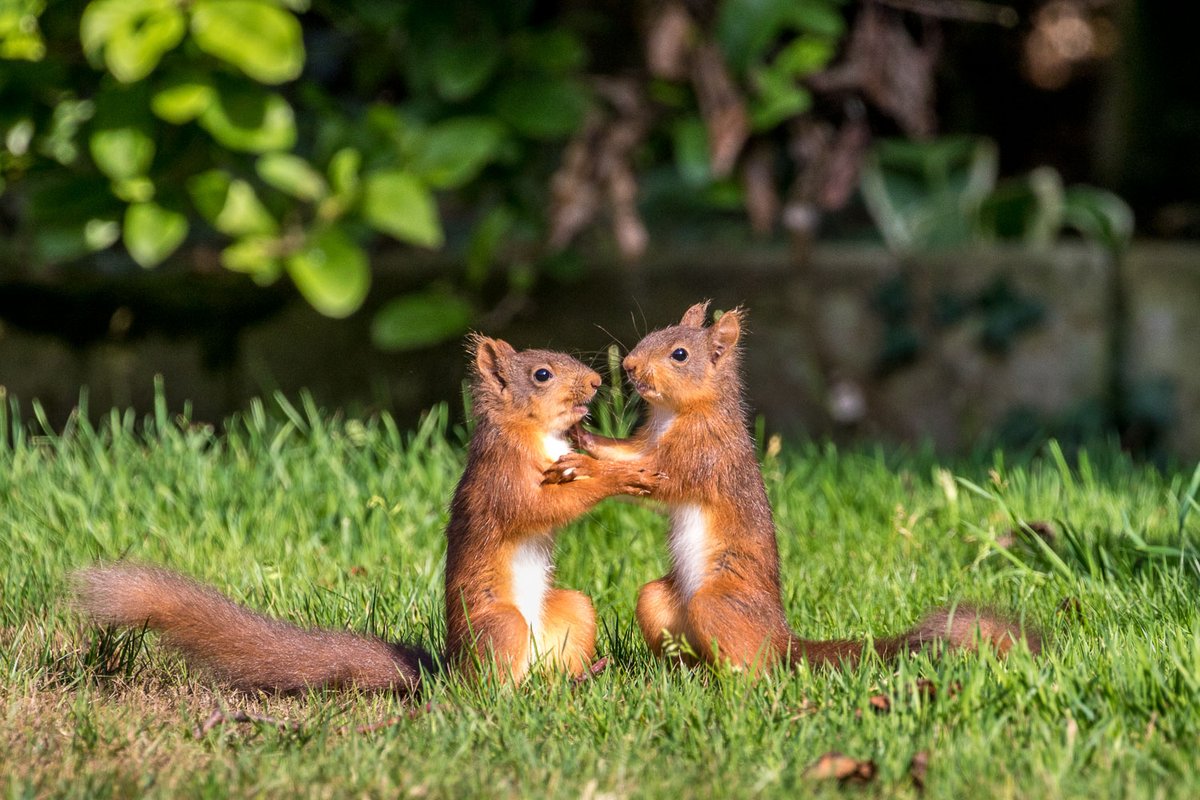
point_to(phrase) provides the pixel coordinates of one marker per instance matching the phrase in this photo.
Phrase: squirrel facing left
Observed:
(500, 603)
(722, 595)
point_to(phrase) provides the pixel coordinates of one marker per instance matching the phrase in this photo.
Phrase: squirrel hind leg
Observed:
(660, 614)
(567, 639)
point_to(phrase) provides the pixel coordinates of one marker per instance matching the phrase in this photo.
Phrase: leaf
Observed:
(917, 769)
(331, 271)
(804, 55)
(1100, 215)
(243, 213)
(419, 320)
(778, 97)
(122, 153)
(542, 107)
(453, 152)
(691, 151)
(556, 51)
(132, 35)
(844, 769)
(462, 66)
(181, 100)
(152, 232)
(343, 171)
(20, 38)
(230, 204)
(250, 120)
(816, 16)
(485, 240)
(292, 175)
(397, 203)
(253, 255)
(208, 190)
(260, 39)
(744, 28)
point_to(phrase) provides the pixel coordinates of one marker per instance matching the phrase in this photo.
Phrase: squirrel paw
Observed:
(641, 482)
(569, 467)
(581, 438)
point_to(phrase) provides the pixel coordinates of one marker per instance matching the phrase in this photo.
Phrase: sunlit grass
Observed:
(339, 522)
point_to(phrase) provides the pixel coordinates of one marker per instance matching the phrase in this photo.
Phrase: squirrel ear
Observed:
(490, 358)
(724, 333)
(694, 316)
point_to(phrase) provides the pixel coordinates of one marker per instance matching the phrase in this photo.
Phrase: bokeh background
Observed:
(957, 222)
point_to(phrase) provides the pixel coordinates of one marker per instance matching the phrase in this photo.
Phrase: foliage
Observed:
(276, 138)
(944, 193)
(338, 522)
(156, 122)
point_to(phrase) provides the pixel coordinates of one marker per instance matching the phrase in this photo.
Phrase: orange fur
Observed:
(499, 598)
(723, 592)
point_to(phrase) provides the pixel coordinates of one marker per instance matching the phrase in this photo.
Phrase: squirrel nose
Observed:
(593, 381)
(629, 365)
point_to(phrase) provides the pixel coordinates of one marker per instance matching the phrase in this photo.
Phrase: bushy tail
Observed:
(242, 648)
(960, 628)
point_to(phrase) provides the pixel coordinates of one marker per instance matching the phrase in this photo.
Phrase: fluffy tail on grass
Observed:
(240, 647)
(963, 627)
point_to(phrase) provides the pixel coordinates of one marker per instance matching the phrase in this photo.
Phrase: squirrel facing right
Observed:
(501, 603)
(722, 595)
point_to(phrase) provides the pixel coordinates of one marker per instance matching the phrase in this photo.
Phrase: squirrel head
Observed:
(541, 389)
(688, 364)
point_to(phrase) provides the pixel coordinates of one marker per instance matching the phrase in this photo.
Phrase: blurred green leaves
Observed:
(944, 193)
(420, 319)
(256, 36)
(331, 271)
(131, 36)
(198, 119)
(152, 232)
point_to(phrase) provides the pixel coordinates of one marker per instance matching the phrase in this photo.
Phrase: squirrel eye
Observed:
(680, 355)
(542, 375)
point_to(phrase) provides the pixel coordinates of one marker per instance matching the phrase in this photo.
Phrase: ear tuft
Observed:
(694, 317)
(490, 357)
(724, 333)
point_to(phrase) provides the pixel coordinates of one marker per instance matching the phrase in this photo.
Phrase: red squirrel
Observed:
(500, 601)
(722, 595)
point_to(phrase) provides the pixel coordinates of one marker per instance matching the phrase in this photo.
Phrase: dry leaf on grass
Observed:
(1071, 608)
(595, 669)
(842, 768)
(917, 768)
(1043, 530)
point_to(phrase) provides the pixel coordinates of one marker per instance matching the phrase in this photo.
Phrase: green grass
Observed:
(339, 522)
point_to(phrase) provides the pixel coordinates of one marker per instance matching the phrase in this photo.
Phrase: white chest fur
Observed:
(531, 573)
(660, 422)
(555, 445)
(689, 547)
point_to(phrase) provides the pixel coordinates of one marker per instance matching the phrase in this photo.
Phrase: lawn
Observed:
(338, 522)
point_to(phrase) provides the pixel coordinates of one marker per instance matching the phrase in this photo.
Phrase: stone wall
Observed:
(856, 344)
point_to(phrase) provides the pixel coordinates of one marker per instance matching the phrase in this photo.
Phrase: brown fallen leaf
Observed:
(1071, 608)
(595, 669)
(358, 571)
(1043, 530)
(917, 768)
(928, 690)
(806, 709)
(842, 768)
(220, 717)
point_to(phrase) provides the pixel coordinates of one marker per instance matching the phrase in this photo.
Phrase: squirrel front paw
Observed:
(569, 467)
(581, 438)
(639, 482)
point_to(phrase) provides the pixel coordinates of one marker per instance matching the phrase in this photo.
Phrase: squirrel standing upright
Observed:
(722, 595)
(500, 603)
